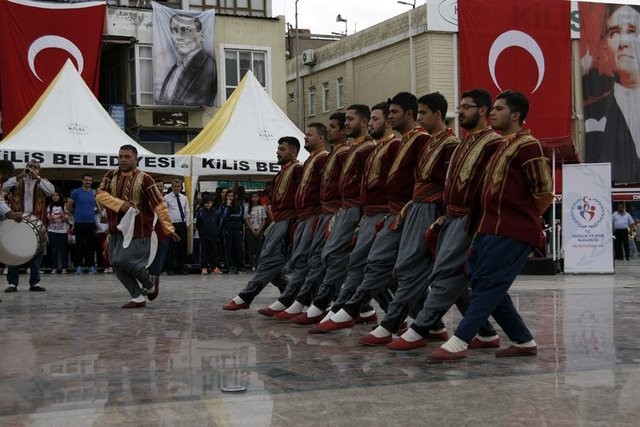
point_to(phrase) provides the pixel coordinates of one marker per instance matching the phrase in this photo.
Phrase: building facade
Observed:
(370, 66)
(399, 54)
(246, 38)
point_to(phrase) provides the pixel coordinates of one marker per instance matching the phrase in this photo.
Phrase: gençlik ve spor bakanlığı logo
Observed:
(587, 212)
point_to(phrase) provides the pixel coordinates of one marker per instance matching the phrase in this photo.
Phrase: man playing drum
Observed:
(30, 191)
(121, 190)
(6, 170)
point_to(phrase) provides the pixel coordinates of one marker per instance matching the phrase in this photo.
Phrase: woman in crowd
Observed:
(232, 216)
(57, 230)
(102, 228)
(255, 220)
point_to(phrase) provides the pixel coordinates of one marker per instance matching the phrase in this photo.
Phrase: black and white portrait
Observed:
(184, 70)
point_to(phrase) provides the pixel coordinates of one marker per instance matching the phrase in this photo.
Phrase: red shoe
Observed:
(513, 351)
(365, 320)
(442, 355)
(156, 290)
(373, 340)
(400, 344)
(476, 344)
(269, 312)
(315, 330)
(232, 306)
(284, 316)
(330, 325)
(303, 320)
(438, 336)
(133, 304)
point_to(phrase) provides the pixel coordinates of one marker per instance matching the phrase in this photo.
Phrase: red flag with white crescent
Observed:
(523, 46)
(36, 39)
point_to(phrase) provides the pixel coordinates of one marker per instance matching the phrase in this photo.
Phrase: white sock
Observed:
(380, 332)
(294, 308)
(365, 314)
(341, 316)
(411, 336)
(277, 306)
(454, 345)
(486, 339)
(314, 311)
(410, 321)
(527, 344)
(238, 300)
(327, 317)
(139, 298)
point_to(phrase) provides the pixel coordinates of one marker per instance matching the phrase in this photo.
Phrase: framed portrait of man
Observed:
(610, 59)
(184, 66)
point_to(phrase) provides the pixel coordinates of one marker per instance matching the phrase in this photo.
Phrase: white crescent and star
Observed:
(514, 38)
(53, 42)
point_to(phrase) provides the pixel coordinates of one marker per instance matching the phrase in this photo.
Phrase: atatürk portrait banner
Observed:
(184, 66)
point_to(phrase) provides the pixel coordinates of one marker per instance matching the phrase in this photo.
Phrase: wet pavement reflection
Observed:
(72, 356)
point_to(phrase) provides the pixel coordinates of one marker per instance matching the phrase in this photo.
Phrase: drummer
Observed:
(6, 170)
(30, 192)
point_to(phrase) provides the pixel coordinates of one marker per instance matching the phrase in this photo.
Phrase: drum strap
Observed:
(38, 208)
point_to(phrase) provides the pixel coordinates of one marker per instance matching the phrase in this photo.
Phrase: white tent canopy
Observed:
(241, 140)
(68, 129)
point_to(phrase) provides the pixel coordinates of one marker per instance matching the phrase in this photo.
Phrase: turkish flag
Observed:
(523, 46)
(36, 39)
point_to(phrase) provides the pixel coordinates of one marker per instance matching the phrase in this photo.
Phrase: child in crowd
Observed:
(57, 230)
(207, 224)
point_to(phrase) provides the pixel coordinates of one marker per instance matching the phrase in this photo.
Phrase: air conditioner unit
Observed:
(309, 57)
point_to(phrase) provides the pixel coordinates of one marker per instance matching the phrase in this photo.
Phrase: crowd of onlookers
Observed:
(228, 227)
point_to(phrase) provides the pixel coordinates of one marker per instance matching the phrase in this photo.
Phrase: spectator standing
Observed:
(57, 230)
(160, 256)
(232, 216)
(256, 221)
(622, 222)
(178, 206)
(82, 203)
(208, 224)
(102, 229)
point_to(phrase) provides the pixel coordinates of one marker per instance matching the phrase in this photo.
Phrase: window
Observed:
(140, 75)
(175, 4)
(340, 92)
(312, 101)
(325, 97)
(237, 60)
(231, 7)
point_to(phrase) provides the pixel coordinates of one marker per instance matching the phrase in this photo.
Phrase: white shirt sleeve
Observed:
(9, 184)
(47, 187)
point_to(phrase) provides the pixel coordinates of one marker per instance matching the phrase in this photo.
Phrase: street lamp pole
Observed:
(412, 57)
(298, 90)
